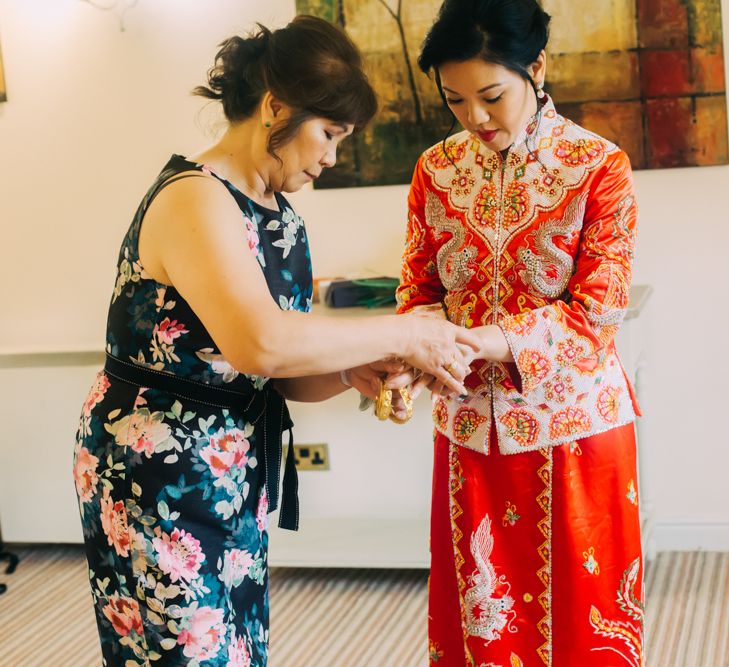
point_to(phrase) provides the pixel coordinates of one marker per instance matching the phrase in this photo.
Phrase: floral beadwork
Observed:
(440, 159)
(486, 206)
(516, 204)
(440, 414)
(466, 423)
(608, 404)
(559, 388)
(521, 324)
(569, 422)
(534, 366)
(569, 351)
(463, 182)
(522, 426)
(579, 153)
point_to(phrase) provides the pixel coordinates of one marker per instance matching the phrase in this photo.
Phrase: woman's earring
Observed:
(540, 91)
(267, 125)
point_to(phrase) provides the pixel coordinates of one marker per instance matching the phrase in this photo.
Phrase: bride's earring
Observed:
(540, 91)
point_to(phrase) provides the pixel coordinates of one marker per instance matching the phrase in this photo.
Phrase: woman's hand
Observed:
(492, 347)
(416, 381)
(441, 349)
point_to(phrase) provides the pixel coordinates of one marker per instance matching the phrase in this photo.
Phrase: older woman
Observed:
(179, 448)
(521, 228)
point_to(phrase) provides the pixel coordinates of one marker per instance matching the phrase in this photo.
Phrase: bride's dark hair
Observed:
(511, 33)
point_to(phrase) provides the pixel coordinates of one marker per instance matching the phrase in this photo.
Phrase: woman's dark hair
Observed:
(310, 65)
(510, 33)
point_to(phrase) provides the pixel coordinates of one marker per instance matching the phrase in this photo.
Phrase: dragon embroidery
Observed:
(627, 635)
(486, 615)
(548, 254)
(614, 269)
(453, 259)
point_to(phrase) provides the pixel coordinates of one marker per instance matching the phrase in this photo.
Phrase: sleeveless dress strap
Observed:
(166, 180)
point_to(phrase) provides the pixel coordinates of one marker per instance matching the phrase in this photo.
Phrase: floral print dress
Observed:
(172, 491)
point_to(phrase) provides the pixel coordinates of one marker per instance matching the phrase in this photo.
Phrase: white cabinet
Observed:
(632, 347)
(41, 396)
(371, 508)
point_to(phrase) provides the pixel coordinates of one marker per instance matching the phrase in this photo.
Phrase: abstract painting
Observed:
(647, 74)
(3, 94)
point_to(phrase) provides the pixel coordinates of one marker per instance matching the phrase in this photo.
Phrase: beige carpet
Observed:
(348, 618)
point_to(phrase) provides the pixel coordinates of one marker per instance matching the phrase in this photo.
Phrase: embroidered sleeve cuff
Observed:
(542, 345)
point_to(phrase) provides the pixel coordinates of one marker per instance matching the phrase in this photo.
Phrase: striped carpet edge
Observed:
(357, 618)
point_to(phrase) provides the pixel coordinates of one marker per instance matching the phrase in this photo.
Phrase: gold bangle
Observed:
(383, 402)
(407, 399)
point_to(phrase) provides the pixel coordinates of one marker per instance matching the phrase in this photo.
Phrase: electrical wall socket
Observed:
(312, 457)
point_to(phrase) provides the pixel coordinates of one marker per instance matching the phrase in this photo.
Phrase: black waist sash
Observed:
(265, 405)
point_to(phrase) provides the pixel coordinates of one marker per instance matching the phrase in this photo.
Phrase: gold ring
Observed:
(407, 399)
(450, 366)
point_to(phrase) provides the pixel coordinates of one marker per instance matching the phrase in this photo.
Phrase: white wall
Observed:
(92, 116)
(94, 112)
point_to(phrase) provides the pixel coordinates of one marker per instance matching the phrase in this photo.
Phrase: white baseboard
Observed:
(690, 536)
(354, 542)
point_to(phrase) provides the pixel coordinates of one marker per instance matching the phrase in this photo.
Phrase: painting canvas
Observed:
(3, 95)
(647, 74)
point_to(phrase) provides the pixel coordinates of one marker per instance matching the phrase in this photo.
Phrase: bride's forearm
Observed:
(494, 346)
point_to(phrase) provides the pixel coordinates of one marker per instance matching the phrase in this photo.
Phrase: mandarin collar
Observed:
(539, 124)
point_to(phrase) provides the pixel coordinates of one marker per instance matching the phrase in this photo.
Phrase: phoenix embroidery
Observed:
(486, 614)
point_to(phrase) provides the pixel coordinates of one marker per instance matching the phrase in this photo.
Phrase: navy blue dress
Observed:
(172, 487)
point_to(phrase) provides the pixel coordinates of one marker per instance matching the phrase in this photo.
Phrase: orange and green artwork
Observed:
(3, 94)
(647, 74)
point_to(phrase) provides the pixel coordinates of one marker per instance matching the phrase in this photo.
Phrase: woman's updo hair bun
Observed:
(236, 78)
(511, 33)
(310, 65)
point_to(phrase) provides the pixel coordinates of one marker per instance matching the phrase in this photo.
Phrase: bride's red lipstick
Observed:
(487, 135)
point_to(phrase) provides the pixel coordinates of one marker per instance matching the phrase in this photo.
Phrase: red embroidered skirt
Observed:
(536, 557)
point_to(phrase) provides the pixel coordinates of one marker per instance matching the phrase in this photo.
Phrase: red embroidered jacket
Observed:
(541, 244)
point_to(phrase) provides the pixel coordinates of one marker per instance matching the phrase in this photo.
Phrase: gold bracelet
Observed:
(383, 402)
(407, 399)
